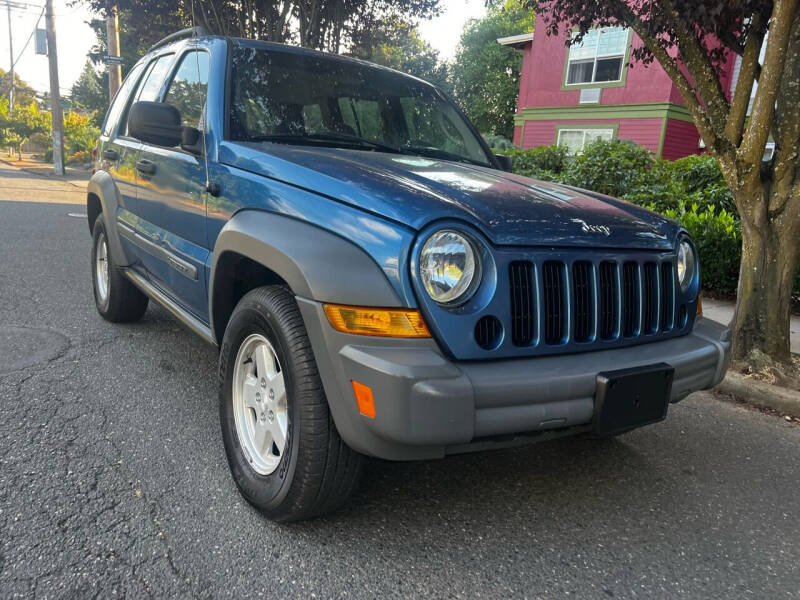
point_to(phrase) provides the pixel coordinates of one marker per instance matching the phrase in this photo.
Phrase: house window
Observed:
(576, 139)
(599, 57)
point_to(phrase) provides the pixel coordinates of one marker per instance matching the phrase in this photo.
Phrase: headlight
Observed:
(687, 265)
(449, 267)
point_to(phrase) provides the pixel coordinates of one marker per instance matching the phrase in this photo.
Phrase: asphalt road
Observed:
(113, 481)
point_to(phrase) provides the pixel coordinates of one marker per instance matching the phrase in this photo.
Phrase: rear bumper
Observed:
(428, 406)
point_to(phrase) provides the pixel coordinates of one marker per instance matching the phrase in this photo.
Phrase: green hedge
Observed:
(690, 190)
(718, 237)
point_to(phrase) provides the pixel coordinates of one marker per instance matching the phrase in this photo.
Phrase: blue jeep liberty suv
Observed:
(376, 281)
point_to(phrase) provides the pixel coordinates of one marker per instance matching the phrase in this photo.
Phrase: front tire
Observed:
(283, 449)
(116, 298)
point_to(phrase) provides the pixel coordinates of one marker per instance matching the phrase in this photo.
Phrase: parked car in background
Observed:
(376, 283)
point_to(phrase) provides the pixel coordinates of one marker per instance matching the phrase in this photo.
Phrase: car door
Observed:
(171, 193)
(118, 154)
(119, 157)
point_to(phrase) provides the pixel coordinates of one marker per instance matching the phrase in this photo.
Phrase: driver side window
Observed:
(187, 91)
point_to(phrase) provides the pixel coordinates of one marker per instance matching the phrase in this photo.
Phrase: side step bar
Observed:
(188, 320)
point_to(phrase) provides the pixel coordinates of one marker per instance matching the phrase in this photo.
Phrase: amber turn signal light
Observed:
(699, 305)
(384, 322)
(364, 399)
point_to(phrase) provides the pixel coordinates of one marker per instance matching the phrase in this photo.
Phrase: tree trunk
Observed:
(766, 276)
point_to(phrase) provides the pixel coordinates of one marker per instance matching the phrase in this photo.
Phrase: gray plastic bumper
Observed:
(428, 406)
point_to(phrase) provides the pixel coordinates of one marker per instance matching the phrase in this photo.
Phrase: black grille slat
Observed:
(667, 296)
(650, 299)
(522, 322)
(607, 312)
(553, 283)
(582, 300)
(630, 295)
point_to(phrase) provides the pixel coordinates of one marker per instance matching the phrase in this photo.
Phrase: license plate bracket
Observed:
(629, 398)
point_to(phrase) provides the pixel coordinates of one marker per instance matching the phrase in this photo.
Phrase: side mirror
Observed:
(504, 162)
(155, 123)
(192, 140)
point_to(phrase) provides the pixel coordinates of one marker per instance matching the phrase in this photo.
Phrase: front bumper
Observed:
(428, 406)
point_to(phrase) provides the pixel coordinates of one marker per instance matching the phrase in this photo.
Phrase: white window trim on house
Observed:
(618, 53)
(587, 134)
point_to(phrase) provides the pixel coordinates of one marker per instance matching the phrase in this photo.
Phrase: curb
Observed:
(40, 174)
(763, 394)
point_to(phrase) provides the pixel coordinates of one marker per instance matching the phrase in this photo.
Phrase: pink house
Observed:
(569, 95)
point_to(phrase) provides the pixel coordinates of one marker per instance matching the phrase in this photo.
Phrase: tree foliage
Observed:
(90, 94)
(19, 125)
(486, 74)
(397, 44)
(331, 25)
(24, 94)
(692, 40)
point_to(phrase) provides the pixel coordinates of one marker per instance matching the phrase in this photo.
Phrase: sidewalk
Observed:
(74, 176)
(722, 312)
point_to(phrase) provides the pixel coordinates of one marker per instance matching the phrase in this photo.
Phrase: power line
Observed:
(30, 37)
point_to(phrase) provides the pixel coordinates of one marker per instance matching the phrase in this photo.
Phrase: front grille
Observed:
(582, 300)
(587, 302)
(649, 299)
(608, 300)
(554, 292)
(630, 304)
(522, 325)
(667, 297)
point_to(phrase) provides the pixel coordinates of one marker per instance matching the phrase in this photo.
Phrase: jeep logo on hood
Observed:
(587, 228)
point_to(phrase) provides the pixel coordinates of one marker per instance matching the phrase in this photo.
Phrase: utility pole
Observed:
(11, 53)
(112, 35)
(55, 94)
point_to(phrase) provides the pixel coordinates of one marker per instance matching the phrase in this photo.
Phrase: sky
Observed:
(75, 38)
(444, 31)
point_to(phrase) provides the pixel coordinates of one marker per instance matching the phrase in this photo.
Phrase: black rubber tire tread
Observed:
(126, 303)
(326, 471)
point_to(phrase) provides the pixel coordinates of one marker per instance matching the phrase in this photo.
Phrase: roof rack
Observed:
(179, 35)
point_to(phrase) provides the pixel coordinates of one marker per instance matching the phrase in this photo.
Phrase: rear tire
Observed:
(116, 298)
(283, 449)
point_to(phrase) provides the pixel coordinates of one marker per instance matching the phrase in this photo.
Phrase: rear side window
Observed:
(121, 99)
(187, 91)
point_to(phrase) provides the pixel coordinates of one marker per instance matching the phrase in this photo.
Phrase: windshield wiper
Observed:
(311, 138)
(431, 152)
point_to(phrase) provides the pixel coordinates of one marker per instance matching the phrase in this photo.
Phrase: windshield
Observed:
(296, 98)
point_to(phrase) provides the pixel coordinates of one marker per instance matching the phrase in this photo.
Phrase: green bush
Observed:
(718, 237)
(544, 162)
(700, 179)
(613, 167)
(80, 134)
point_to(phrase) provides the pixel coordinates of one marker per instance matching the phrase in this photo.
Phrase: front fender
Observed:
(316, 264)
(102, 185)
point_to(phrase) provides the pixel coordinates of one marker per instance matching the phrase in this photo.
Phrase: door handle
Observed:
(146, 167)
(110, 154)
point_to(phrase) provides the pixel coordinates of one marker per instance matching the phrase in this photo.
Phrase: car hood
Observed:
(509, 209)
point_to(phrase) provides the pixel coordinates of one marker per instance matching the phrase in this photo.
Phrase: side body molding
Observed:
(102, 185)
(315, 263)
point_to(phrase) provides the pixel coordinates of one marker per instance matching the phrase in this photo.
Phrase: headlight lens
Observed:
(687, 265)
(449, 267)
